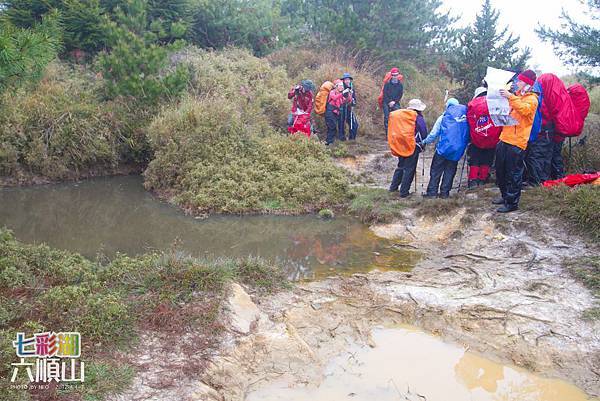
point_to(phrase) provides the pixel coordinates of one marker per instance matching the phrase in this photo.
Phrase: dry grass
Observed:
(585, 156)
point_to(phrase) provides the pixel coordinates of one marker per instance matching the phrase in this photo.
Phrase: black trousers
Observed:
(509, 172)
(332, 121)
(444, 169)
(557, 168)
(386, 115)
(479, 156)
(539, 158)
(405, 172)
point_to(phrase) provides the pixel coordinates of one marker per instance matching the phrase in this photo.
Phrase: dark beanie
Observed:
(527, 76)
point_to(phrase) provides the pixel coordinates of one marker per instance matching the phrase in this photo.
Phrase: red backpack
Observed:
(581, 101)
(484, 134)
(566, 108)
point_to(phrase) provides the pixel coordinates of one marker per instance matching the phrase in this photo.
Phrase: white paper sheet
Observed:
(498, 105)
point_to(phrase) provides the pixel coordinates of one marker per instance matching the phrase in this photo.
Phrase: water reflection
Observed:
(110, 215)
(406, 362)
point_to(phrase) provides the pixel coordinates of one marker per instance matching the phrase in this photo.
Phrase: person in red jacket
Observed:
(337, 98)
(484, 138)
(302, 105)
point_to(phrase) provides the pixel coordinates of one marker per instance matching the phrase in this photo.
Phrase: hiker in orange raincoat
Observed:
(510, 151)
(302, 105)
(406, 130)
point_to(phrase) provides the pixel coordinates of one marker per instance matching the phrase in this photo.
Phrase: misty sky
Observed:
(522, 17)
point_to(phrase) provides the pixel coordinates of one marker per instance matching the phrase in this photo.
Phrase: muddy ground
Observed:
(493, 284)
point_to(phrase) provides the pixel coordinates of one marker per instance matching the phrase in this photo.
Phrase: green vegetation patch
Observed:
(376, 205)
(62, 128)
(209, 156)
(46, 289)
(580, 205)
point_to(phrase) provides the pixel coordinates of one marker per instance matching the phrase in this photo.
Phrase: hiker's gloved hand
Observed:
(391, 104)
(346, 91)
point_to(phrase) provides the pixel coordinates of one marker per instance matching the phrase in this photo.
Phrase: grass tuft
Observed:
(579, 205)
(46, 289)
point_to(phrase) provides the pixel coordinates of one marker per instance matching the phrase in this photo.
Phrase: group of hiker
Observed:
(525, 152)
(335, 100)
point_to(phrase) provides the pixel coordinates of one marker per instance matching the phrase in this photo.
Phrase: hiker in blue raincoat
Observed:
(347, 115)
(452, 129)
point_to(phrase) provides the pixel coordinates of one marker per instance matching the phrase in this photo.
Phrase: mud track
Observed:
(494, 285)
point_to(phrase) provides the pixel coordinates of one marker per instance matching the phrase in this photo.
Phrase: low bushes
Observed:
(580, 205)
(62, 128)
(585, 152)
(46, 289)
(209, 155)
(254, 86)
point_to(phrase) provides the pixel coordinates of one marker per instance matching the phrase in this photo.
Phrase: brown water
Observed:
(407, 363)
(110, 215)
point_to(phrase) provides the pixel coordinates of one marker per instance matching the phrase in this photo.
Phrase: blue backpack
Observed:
(454, 136)
(537, 121)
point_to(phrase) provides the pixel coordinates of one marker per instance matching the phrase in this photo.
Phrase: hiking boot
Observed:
(405, 195)
(498, 201)
(428, 196)
(507, 209)
(444, 196)
(472, 184)
(528, 185)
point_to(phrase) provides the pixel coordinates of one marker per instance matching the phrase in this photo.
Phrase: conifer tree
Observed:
(481, 45)
(25, 52)
(135, 61)
(579, 43)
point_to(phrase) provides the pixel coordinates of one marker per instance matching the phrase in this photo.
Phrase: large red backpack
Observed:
(386, 78)
(580, 99)
(484, 134)
(566, 108)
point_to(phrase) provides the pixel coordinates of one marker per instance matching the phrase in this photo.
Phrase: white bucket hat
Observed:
(416, 104)
(479, 91)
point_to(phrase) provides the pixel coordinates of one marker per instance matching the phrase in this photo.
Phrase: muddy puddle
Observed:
(405, 363)
(116, 214)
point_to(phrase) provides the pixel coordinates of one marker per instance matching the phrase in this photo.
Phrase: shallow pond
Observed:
(409, 364)
(116, 214)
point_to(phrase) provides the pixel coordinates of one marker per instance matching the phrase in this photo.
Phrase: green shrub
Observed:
(110, 303)
(579, 205)
(61, 129)
(326, 214)
(585, 152)
(250, 83)
(212, 156)
(375, 205)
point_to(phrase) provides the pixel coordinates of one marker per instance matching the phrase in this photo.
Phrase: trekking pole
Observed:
(462, 170)
(415, 182)
(352, 97)
(570, 150)
(422, 173)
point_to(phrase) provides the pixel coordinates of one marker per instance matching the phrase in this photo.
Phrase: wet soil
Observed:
(497, 288)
